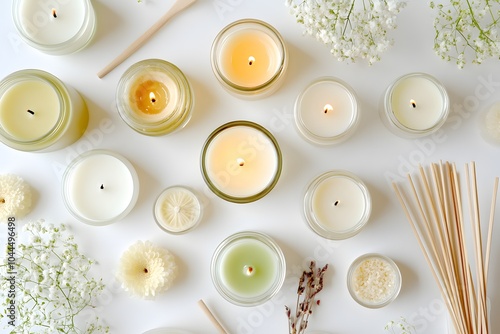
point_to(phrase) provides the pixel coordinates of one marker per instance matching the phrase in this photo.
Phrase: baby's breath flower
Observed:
(467, 31)
(400, 327)
(352, 29)
(51, 289)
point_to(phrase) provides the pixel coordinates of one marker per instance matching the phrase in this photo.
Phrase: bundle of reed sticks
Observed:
(432, 202)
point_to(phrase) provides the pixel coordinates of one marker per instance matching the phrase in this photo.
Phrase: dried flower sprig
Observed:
(352, 29)
(467, 30)
(310, 284)
(48, 286)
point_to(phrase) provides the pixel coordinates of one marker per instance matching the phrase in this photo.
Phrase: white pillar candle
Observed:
(177, 210)
(154, 97)
(326, 112)
(55, 27)
(249, 58)
(415, 104)
(490, 124)
(337, 205)
(100, 187)
(38, 112)
(241, 161)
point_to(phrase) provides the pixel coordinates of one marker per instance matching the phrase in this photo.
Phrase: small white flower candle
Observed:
(414, 105)
(249, 58)
(59, 27)
(100, 187)
(38, 112)
(337, 205)
(15, 197)
(177, 210)
(241, 161)
(326, 112)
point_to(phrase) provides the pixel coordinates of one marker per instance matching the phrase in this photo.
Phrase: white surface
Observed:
(372, 153)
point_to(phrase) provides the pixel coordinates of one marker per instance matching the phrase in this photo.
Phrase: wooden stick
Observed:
(490, 228)
(176, 7)
(211, 317)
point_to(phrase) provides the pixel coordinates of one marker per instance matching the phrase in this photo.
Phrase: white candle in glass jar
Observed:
(326, 112)
(57, 27)
(100, 187)
(337, 205)
(415, 104)
(241, 161)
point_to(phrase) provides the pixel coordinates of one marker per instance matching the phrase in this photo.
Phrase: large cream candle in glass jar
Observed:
(55, 27)
(241, 161)
(38, 112)
(249, 58)
(154, 97)
(415, 105)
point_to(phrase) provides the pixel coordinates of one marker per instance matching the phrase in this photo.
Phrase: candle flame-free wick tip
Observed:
(251, 60)
(249, 270)
(240, 162)
(54, 13)
(413, 103)
(30, 111)
(152, 97)
(327, 108)
(336, 203)
(102, 186)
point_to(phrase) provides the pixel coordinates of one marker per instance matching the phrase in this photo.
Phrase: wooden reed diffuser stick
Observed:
(176, 7)
(211, 317)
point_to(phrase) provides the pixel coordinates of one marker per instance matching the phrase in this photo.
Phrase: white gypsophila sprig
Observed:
(467, 30)
(402, 326)
(54, 292)
(352, 29)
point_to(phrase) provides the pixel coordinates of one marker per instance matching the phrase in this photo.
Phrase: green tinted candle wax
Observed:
(249, 268)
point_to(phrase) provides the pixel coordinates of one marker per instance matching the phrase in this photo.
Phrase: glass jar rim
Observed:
(244, 199)
(326, 140)
(313, 221)
(397, 275)
(403, 129)
(271, 32)
(265, 240)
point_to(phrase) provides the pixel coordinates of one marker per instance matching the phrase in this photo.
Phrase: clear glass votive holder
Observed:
(248, 268)
(177, 210)
(100, 187)
(154, 97)
(249, 58)
(241, 161)
(373, 280)
(337, 205)
(39, 113)
(414, 105)
(57, 28)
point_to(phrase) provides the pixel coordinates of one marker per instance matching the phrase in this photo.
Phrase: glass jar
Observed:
(249, 58)
(241, 161)
(39, 113)
(414, 105)
(177, 210)
(100, 187)
(337, 205)
(248, 268)
(57, 28)
(326, 112)
(373, 280)
(154, 97)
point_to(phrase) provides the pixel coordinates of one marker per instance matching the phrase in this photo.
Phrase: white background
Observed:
(372, 153)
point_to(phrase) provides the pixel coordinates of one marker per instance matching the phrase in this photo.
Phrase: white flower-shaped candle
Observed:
(15, 197)
(146, 270)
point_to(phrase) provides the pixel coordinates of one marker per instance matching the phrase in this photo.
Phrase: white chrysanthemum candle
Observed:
(15, 197)
(146, 270)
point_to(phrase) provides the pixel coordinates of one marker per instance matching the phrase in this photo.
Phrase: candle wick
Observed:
(336, 203)
(30, 111)
(54, 13)
(249, 270)
(251, 60)
(327, 108)
(102, 186)
(413, 103)
(146, 270)
(240, 162)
